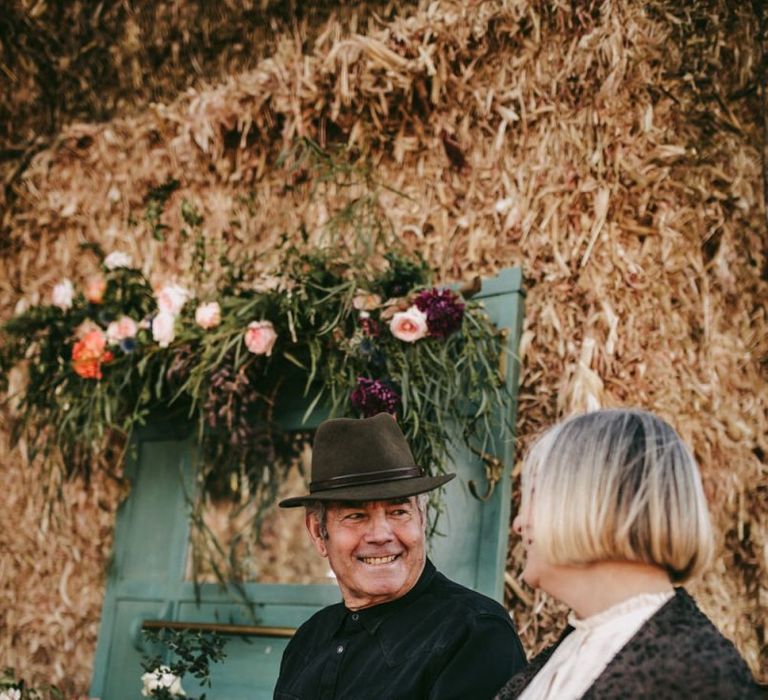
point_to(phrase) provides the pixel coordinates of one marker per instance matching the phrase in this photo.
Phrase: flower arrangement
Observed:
(355, 330)
(192, 652)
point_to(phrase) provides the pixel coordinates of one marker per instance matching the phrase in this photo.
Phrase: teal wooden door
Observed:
(146, 577)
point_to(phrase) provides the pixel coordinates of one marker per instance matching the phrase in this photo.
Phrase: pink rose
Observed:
(94, 289)
(260, 337)
(172, 298)
(124, 327)
(208, 315)
(163, 330)
(409, 325)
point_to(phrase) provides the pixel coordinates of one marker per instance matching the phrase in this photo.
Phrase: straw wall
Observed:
(612, 149)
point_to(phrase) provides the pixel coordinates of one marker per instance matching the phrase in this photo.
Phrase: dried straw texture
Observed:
(612, 149)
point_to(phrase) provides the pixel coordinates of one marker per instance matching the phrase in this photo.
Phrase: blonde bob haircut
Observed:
(617, 485)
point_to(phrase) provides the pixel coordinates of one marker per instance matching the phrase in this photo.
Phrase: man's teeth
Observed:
(379, 560)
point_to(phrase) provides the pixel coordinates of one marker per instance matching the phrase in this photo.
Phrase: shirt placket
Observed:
(340, 647)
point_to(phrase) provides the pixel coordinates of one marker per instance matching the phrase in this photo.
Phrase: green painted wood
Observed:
(146, 578)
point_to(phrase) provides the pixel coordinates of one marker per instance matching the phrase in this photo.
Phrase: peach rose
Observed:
(89, 354)
(208, 315)
(95, 288)
(409, 325)
(124, 327)
(260, 337)
(366, 301)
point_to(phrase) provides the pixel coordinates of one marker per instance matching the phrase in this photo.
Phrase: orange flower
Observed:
(94, 290)
(88, 355)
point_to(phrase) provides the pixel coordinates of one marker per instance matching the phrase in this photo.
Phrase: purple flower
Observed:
(444, 311)
(372, 396)
(128, 345)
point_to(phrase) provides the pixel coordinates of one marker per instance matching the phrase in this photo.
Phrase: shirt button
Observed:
(339, 649)
(355, 617)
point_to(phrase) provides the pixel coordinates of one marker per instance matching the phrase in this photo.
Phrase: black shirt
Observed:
(440, 640)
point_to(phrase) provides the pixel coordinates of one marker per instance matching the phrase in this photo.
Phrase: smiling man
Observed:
(403, 631)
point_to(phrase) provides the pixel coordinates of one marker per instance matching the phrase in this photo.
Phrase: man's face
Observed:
(376, 549)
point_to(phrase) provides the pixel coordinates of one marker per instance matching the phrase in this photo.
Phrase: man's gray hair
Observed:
(319, 511)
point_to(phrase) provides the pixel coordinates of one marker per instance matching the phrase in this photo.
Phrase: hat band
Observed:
(378, 477)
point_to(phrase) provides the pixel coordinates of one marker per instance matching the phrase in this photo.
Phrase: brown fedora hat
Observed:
(363, 459)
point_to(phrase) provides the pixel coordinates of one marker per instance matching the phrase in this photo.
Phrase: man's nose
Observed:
(379, 528)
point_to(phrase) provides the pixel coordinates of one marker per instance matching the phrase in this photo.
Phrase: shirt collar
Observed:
(371, 618)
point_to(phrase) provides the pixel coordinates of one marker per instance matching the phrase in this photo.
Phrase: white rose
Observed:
(62, 295)
(173, 683)
(409, 325)
(11, 694)
(163, 330)
(208, 315)
(117, 259)
(172, 298)
(150, 684)
(160, 678)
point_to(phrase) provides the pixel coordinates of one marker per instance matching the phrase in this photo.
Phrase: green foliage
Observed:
(183, 652)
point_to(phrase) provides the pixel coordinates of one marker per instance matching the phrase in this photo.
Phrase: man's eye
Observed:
(353, 516)
(400, 511)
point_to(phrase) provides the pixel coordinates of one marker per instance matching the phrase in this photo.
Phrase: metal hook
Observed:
(488, 493)
(493, 471)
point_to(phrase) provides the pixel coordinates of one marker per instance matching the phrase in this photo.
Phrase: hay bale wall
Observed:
(612, 149)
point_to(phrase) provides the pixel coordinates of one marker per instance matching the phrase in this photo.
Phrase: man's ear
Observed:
(313, 527)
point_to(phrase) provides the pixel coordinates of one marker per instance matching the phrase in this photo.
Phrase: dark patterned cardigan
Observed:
(677, 653)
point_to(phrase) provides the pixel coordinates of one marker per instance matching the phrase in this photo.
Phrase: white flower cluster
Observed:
(117, 259)
(170, 301)
(62, 297)
(10, 694)
(160, 678)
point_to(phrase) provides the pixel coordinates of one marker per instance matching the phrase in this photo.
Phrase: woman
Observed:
(613, 516)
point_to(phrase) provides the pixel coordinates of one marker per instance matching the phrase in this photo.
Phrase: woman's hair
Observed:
(617, 485)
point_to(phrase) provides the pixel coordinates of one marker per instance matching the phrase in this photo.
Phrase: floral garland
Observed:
(101, 359)
(356, 331)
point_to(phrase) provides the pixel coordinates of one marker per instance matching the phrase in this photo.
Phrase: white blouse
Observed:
(583, 655)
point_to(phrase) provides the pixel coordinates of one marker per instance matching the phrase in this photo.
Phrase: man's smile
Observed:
(378, 561)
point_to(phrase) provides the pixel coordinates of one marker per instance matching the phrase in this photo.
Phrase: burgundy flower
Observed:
(370, 326)
(372, 396)
(444, 311)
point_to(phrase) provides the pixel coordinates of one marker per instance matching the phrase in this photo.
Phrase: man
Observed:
(403, 631)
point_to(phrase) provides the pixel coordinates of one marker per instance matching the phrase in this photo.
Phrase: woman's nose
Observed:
(517, 525)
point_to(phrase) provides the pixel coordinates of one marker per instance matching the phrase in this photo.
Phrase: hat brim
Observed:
(401, 488)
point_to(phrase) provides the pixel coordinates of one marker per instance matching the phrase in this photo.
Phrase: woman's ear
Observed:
(315, 533)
